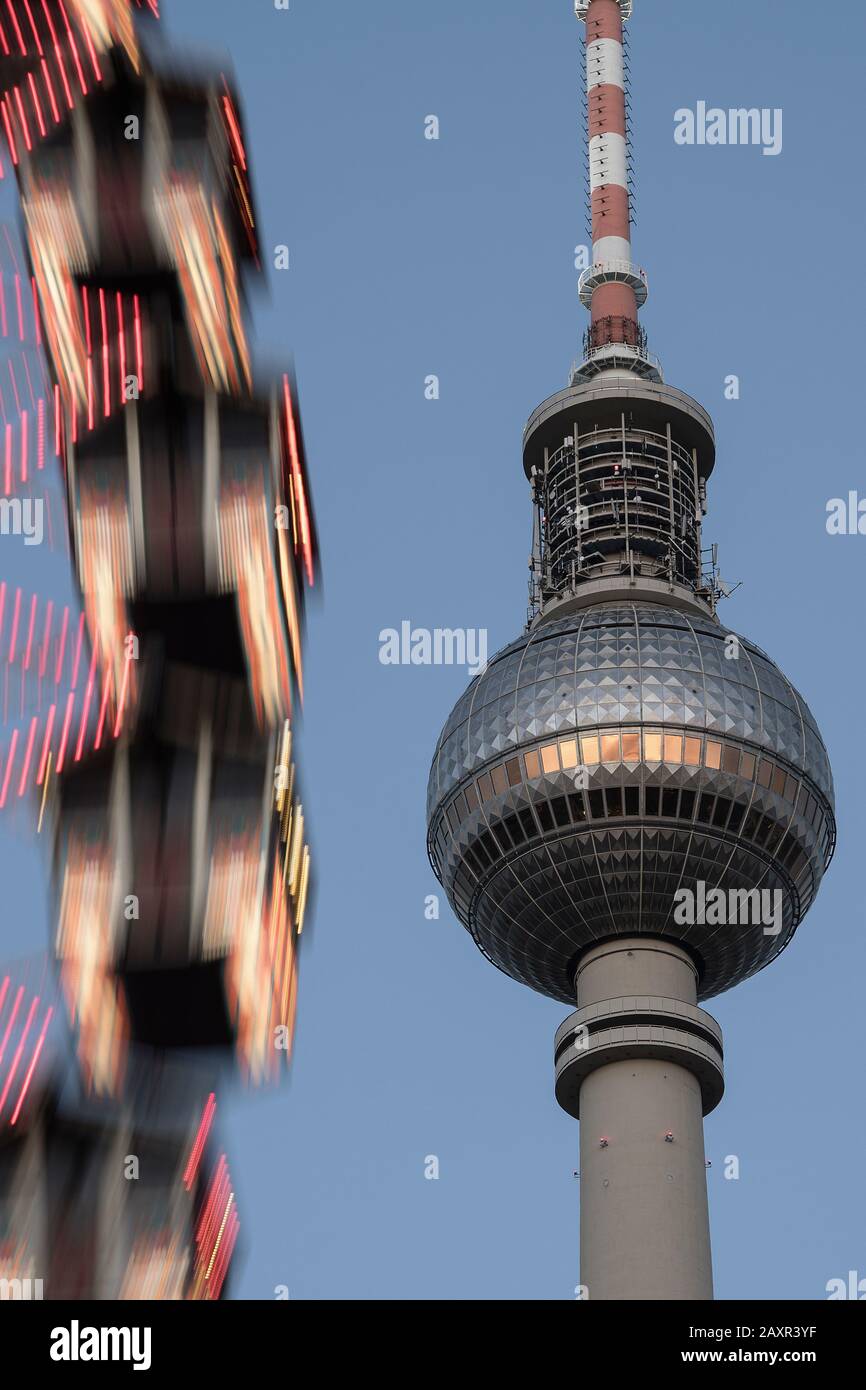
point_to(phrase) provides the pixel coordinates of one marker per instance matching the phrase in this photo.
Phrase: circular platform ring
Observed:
(613, 273)
(617, 1030)
(582, 6)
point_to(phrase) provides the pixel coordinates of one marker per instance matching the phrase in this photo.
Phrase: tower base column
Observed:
(640, 1065)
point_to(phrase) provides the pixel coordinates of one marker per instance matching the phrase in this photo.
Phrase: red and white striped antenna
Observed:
(613, 288)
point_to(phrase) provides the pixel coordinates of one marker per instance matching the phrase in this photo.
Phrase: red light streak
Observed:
(37, 317)
(224, 1245)
(27, 756)
(11, 1024)
(49, 87)
(82, 728)
(106, 382)
(15, 388)
(31, 1069)
(298, 477)
(40, 434)
(121, 345)
(33, 27)
(220, 1269)
(200, 1140)
(24, 443)
(4, 40)
(58, 55)
(74, 45)
(13, 744)
(40, 766)
(12, 147)
(43, 656)
(204, 1220)
(8, 240)
(222, 1188)
(220, 1191)
(77, 661)
(61, 756)
(106, 688)
(19, 305)
(94, 62)
(90, 393)
(29, 378)
(122, 702)
(223, 1195)
(46, 742)
(139, 355)
(57, 415)
(24, 126)
(234, 130)
(66, 88)
(19, 1049)
(220, 1184)
(37, 105)
(11, 657)
(59, 666)
(29, 648)
(85, 304)
(17, 27)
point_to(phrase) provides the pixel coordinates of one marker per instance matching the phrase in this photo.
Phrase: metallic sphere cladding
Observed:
(605, 760)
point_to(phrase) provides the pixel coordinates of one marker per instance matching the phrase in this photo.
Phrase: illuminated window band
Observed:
(654, 748)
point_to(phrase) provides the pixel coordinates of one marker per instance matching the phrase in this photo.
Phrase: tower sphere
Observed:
(606, 760)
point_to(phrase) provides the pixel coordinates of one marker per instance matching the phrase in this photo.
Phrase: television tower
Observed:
(631, 808)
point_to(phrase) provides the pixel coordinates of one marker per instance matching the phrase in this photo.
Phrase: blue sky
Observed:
(411, 257)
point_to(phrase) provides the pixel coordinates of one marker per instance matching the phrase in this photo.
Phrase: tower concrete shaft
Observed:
(641, 1065)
